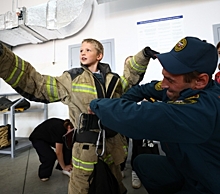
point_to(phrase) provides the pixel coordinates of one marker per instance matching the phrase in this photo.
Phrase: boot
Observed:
(5, 103)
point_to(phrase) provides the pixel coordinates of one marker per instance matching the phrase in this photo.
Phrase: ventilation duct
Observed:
(104, 1)
(56, 19)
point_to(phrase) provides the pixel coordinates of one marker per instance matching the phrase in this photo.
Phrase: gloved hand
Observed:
(148, 52)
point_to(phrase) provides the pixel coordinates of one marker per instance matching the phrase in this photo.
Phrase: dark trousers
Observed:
(159, 177)
(47, 157)
(123, 164)
(135, 152)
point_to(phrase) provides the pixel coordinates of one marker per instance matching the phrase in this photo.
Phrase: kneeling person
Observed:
(45, 137)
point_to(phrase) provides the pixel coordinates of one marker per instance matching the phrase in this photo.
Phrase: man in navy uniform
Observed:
(186, 121)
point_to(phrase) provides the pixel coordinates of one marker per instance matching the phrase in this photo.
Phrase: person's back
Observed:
(51, 131)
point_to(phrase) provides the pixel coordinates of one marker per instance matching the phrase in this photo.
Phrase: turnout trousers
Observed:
(84, 157)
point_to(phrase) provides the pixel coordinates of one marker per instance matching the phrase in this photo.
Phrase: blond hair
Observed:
(98, 45)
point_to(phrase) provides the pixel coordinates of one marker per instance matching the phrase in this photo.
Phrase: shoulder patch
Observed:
(158, 86)
(189, 100)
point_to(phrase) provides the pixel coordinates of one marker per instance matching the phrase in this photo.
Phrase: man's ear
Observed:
(201, 81)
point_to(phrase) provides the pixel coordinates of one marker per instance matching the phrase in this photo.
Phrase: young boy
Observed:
(76, 88)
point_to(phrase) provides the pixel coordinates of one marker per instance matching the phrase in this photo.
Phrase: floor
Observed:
(18, 175)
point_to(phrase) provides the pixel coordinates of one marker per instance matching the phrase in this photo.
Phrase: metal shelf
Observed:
(23, 142)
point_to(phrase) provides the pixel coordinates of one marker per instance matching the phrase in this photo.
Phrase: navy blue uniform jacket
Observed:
(188, 128)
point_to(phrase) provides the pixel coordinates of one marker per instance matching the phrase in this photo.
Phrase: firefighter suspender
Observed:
(111, 87)
(102, 131)
(88, 122)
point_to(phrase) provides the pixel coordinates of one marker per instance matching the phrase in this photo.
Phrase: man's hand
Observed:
(150, 53)
(90, 111)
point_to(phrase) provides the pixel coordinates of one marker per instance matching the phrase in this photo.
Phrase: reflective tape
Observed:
(125, 150)
(87, 166)
(124, 83)
(84, 88)
(108, 159)
(17, 72)
(52, 89)
(136, 66)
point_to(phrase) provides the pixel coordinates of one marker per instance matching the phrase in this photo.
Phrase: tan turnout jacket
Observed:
(75, 88)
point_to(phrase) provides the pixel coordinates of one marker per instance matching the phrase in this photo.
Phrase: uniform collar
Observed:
(190, 92)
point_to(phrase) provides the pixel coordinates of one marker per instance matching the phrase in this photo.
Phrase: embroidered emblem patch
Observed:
(158, 86)
(189, 100)
(180, 45)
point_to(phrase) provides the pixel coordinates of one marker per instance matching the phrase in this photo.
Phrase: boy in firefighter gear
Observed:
(185, 121)
(76, 88)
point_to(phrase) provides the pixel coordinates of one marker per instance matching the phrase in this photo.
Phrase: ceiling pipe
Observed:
(56, 19)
